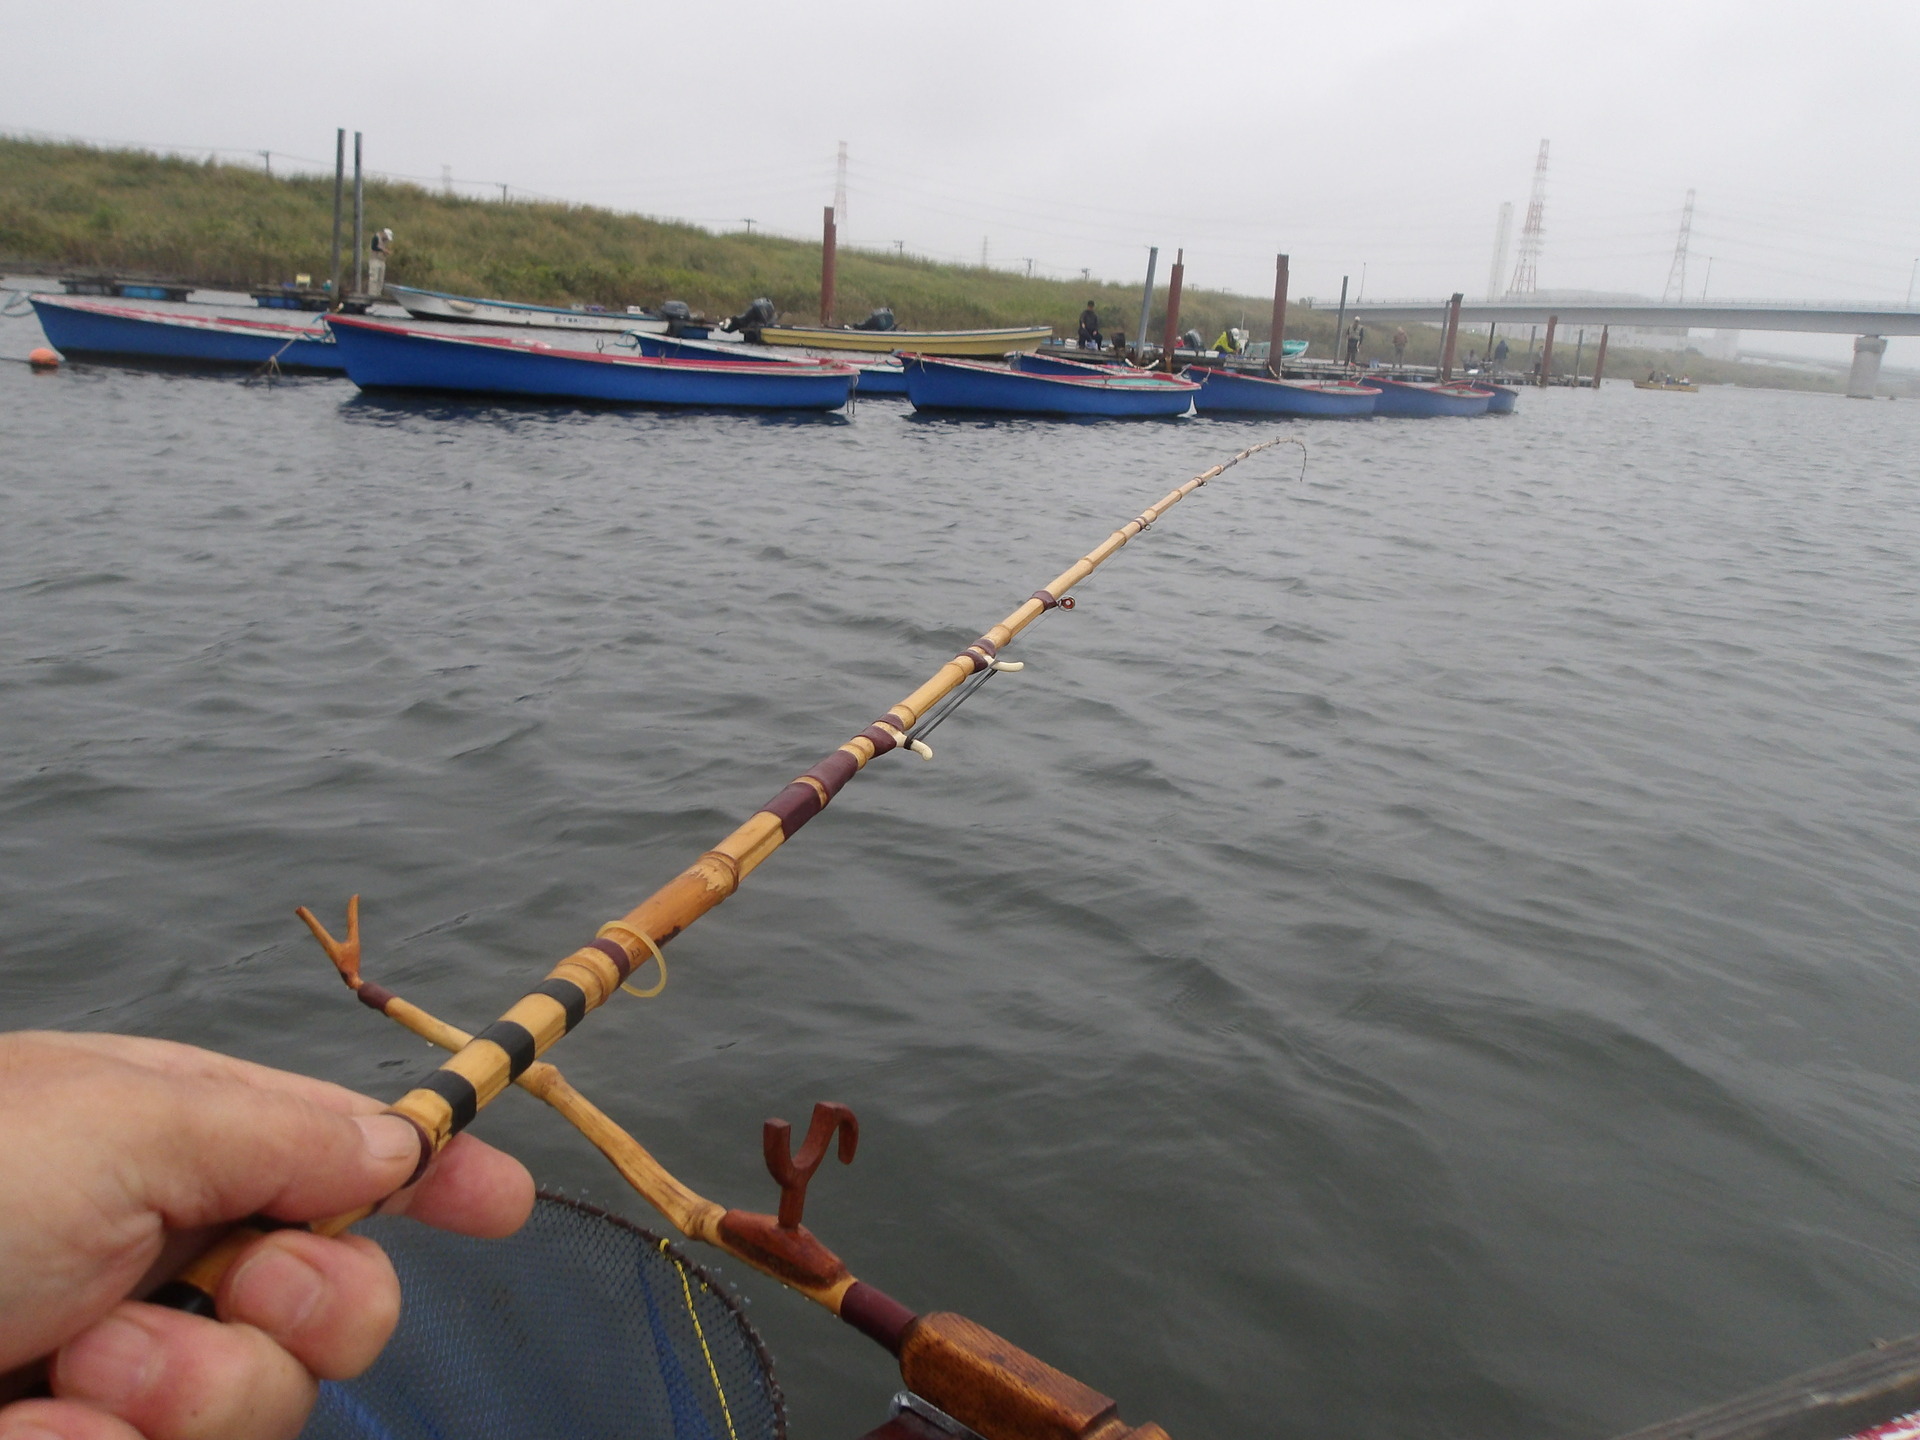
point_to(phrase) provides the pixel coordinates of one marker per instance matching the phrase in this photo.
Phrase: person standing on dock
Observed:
(1090, 328)
(380, 248)
(1356, 332)
(1400, 345)
(1500, 353)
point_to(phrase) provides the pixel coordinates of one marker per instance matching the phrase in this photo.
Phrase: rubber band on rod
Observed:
(617, 931)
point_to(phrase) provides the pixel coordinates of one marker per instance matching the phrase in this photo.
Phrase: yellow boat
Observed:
(921, 342)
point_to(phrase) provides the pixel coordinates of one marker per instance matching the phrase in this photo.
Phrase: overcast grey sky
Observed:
(1381, 135)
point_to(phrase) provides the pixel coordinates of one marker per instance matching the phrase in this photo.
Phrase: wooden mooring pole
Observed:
(1600, 359)
(339, 202)
(1174, 277)
(359, 222)
(1451, 347)
(1279, 315)
(1340, 322)
(1546, 351)
(829, 243)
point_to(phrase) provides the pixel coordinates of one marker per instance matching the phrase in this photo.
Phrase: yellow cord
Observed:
(617, 931)
(712, 1370)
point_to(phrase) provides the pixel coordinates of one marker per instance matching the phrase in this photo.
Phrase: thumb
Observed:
(202, 1150)
(123, 1146)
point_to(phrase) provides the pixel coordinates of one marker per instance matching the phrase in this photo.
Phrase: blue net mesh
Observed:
(581, 1326)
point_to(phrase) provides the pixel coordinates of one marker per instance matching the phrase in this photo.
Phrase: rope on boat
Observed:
(270, 367)
(19, 303)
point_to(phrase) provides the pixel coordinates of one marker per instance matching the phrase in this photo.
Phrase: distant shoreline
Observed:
(66, 207)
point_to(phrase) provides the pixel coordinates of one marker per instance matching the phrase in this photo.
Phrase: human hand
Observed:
(121, 1155)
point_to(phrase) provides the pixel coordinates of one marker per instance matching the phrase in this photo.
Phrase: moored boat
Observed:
(1680, 387)
(1289, 349)
(1038, 364)
(471, 310)
(944, 384)
(1418, 398)
(1505, 397)
(77, 326)
(919, 342)
(1226, 392)
(878, 376)
(883, 377)
(382, 355)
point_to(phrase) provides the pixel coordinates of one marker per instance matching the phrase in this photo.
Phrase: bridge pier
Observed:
(1867, 351)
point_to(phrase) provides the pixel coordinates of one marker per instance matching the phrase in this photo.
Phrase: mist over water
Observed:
(1429, 949)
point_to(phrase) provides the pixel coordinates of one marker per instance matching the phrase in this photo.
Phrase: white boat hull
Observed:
(432, 305)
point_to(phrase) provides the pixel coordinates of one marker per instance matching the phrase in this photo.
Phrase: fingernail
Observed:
(29, 1431)
(111, 1365)
(275, 1291)
(388, 1137)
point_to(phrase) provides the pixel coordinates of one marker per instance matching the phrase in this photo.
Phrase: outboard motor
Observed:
(751, 321)
(881, 319)
(678, 315)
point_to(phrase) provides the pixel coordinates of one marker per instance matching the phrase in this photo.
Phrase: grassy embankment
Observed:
(74, 206)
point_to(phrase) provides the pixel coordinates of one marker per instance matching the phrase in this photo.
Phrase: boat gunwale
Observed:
(807, 368)
(520, 304)
(1319, 387)
(89, 305)
(1152, 381)
(848, 331)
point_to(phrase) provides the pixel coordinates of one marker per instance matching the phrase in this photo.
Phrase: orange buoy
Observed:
(44, 359)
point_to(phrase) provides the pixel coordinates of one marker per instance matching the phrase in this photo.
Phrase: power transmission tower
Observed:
(840, 191)
(1526, 274)
(1677, 272)
(1502, 239)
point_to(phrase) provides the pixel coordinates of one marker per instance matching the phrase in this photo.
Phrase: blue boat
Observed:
(1421, 398)
(381, 355)
(969, 385)
(1505, 397)
(100, 327)
(877, 377)
(883, 378)
(1063, 365)
(1225, 392)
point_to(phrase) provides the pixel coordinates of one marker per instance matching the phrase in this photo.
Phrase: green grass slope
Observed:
(78, 207)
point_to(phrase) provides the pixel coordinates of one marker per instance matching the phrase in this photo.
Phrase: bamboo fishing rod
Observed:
(485, 1064)
(963, 1369)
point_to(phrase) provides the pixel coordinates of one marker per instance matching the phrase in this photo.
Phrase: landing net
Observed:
(581, 1326)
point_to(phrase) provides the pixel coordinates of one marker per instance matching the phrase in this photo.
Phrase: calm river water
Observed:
(1429, 949)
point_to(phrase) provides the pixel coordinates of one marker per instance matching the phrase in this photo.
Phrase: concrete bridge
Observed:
(1870, 324)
